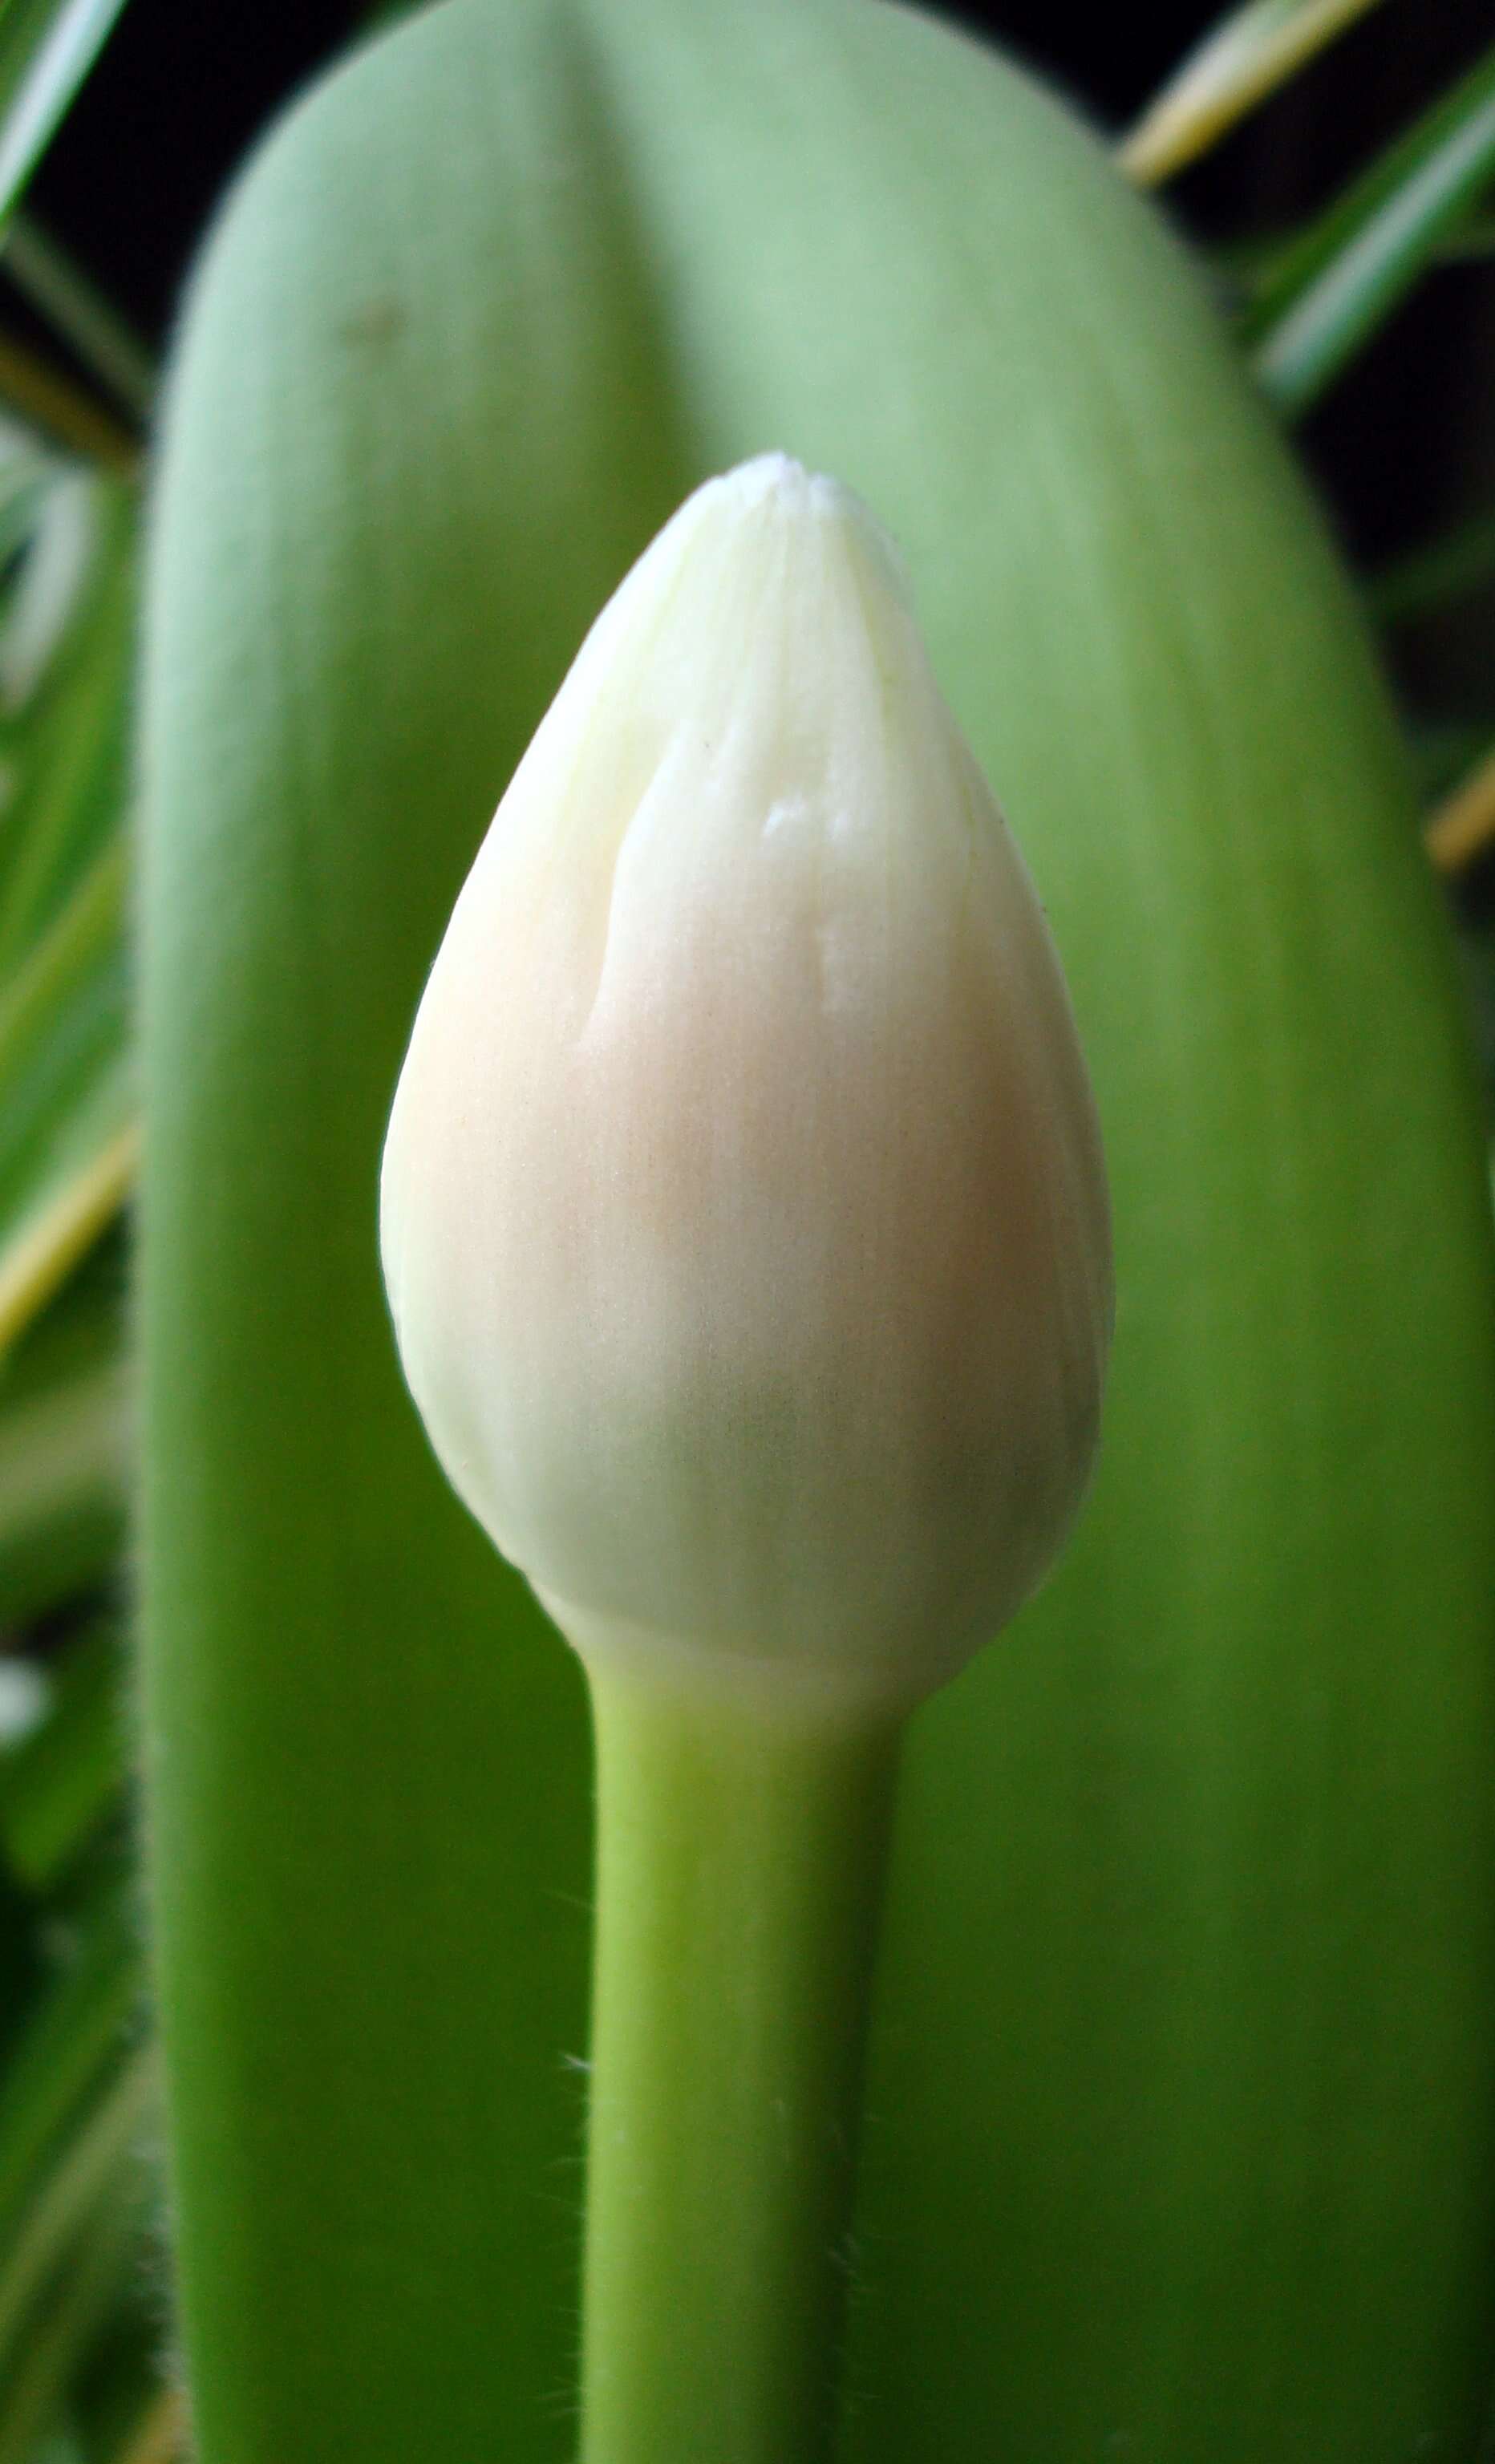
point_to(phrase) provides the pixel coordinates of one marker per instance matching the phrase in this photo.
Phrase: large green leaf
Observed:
(1180, 2136)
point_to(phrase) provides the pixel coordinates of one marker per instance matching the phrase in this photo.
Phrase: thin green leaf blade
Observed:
(47, 47)
(72, 2042)
(66, 633)
(66, 1095)
(1335, 288)
(63, 1782)
(74, 305)
(1237, 64)
(78, 2186)
(27, 470)
(1432, 577)
(93, 2272)
(65, 1455)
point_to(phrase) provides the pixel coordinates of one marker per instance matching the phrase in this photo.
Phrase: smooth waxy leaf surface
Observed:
(1180, 2135)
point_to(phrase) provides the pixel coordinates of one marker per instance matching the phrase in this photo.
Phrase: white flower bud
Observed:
(744, 1219)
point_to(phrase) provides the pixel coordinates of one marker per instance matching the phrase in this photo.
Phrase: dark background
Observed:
(1401, 449)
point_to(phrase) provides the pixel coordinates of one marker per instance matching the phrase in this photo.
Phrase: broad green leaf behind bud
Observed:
(743, 1214)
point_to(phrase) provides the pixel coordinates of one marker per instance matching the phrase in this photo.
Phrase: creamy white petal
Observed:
(744, 1218)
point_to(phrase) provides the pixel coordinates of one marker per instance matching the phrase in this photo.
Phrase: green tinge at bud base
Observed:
(743, 1214)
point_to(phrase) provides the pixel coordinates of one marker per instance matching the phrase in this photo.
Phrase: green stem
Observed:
(740, 1854)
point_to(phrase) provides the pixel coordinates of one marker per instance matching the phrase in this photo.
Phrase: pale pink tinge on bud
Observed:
(743, 1212)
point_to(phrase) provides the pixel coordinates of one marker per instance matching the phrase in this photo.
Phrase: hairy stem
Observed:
(741, 1855)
